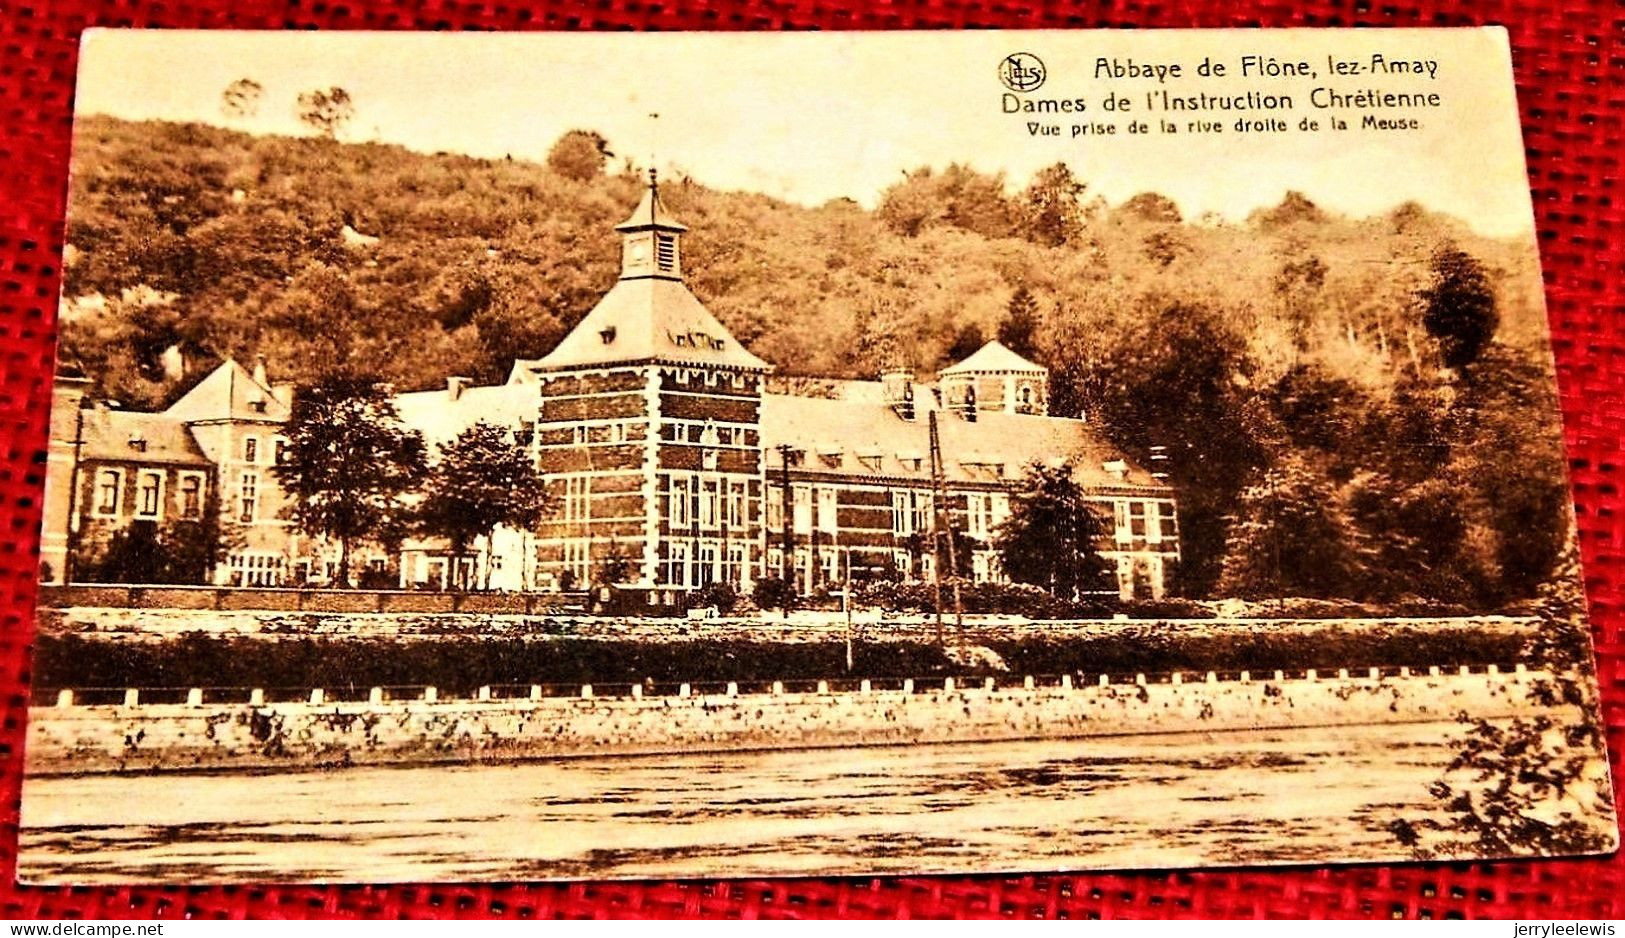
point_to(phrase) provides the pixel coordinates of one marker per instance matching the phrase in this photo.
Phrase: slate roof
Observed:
(994, 356)
(647, 319)
(230, 392)
(440, 419)
(131, 436)
(997, 447)
(651, 213)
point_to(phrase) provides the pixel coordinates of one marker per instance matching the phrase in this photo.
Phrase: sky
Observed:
(809, 117)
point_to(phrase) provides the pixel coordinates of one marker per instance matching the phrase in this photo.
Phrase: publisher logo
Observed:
(1022, 71)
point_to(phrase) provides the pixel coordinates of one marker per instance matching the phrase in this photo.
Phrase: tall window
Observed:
(775, 509)
(248, 502)
(826, 510)
(108, 484)
(679, 504)
(191, 500)
(251, 449)
(708, 503)
(577, 495)
(802, 509)
(149, 495)
(280, 453)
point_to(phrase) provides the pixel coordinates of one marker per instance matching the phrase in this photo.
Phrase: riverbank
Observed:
(263, 733)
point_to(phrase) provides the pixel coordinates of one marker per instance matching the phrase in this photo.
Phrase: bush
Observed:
(720, 595)
(978, 598)
(772, 593)
(1171, 607)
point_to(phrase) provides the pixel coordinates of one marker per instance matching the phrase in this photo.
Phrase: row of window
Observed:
(705, 433)
(709, 503)
(251, 449)
(108, 498)
(702, 564)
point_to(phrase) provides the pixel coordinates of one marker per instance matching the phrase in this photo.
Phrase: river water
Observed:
(1149, 801)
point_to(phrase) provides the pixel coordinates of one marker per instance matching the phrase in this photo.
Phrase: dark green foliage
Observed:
(1051, 208)
(462, 664)
(720, 596)
(1050, 538)
(326, 110)
(1290, 536)
(183, 552)
(349, 463)
(482, 479)
(579, 155)
(1020, 326)
(967, 340)
(1458, 307)
(771, 592)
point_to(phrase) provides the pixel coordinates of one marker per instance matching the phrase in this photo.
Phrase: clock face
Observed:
(638, 252)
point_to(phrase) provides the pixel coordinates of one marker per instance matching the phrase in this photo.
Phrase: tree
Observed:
(482, 479)
(579, 155)
(966, 341)
(326, 111)
(349, 464)
(1153, 207)
(1020, 324)
(1051, 538)
(1051, 207)
(173, 551)
(1289, 536)
(1458, 307)
(241, 98)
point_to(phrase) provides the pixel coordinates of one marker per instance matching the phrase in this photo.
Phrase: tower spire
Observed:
(650, 238)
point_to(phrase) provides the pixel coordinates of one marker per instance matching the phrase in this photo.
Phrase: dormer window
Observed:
(607, 334)
(831, 457)
(138, 443)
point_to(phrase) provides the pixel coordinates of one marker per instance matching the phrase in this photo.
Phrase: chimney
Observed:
(1159, 463)
(455, 385)
(259, 372)
(897, 385)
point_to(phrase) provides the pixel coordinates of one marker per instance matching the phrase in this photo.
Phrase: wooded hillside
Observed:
(1377, 389)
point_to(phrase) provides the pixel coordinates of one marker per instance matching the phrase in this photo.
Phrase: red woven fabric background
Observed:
(1570, 63)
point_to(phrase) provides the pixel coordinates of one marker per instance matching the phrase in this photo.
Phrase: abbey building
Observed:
(674, 462)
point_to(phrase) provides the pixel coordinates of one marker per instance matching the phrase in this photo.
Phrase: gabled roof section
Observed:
(994, 356)
(651, 213)
(994, 448)
(133, 436)
(441, 418)
(229, 393)
(646, 320)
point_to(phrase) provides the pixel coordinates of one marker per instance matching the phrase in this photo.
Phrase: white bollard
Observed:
(484, 692)
(316, 697)
(1280, 675)
(1342, 674)
(637, 691)
(132, 697)
(1246, 676)
(683, 690)
(908, 685)
(375, 696)
(1433, 671)
(1404, 672)
(1493, 669)
(987, 685)
(256, 697)
(535, 692)
(586, 692)
(194, 697)
(431, 694)
(1105, 679)
(1464, 670)
(823, 687)
(1212, 677)
(947, 685)
(1027, 682)
(863, 686)
(1176, 678)
(778, 688)
(1310, 675)
(1066, 682)
(1520, 669)
(64, 698)
(733, 689)
(1139, 679)
(1374, 673)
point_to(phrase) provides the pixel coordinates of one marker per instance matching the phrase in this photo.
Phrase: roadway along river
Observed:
(1221, 799)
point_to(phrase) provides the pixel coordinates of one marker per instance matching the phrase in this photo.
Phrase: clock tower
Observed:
(650, 239)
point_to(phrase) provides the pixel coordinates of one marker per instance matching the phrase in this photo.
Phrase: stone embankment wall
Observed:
(314, 732)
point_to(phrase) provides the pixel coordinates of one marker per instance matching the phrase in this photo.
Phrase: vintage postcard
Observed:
(700, 455)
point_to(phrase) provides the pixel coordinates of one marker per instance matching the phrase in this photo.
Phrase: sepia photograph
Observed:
(598, 456)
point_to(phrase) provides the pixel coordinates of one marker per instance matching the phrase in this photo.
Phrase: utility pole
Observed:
(942, 524)
(787, 510)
